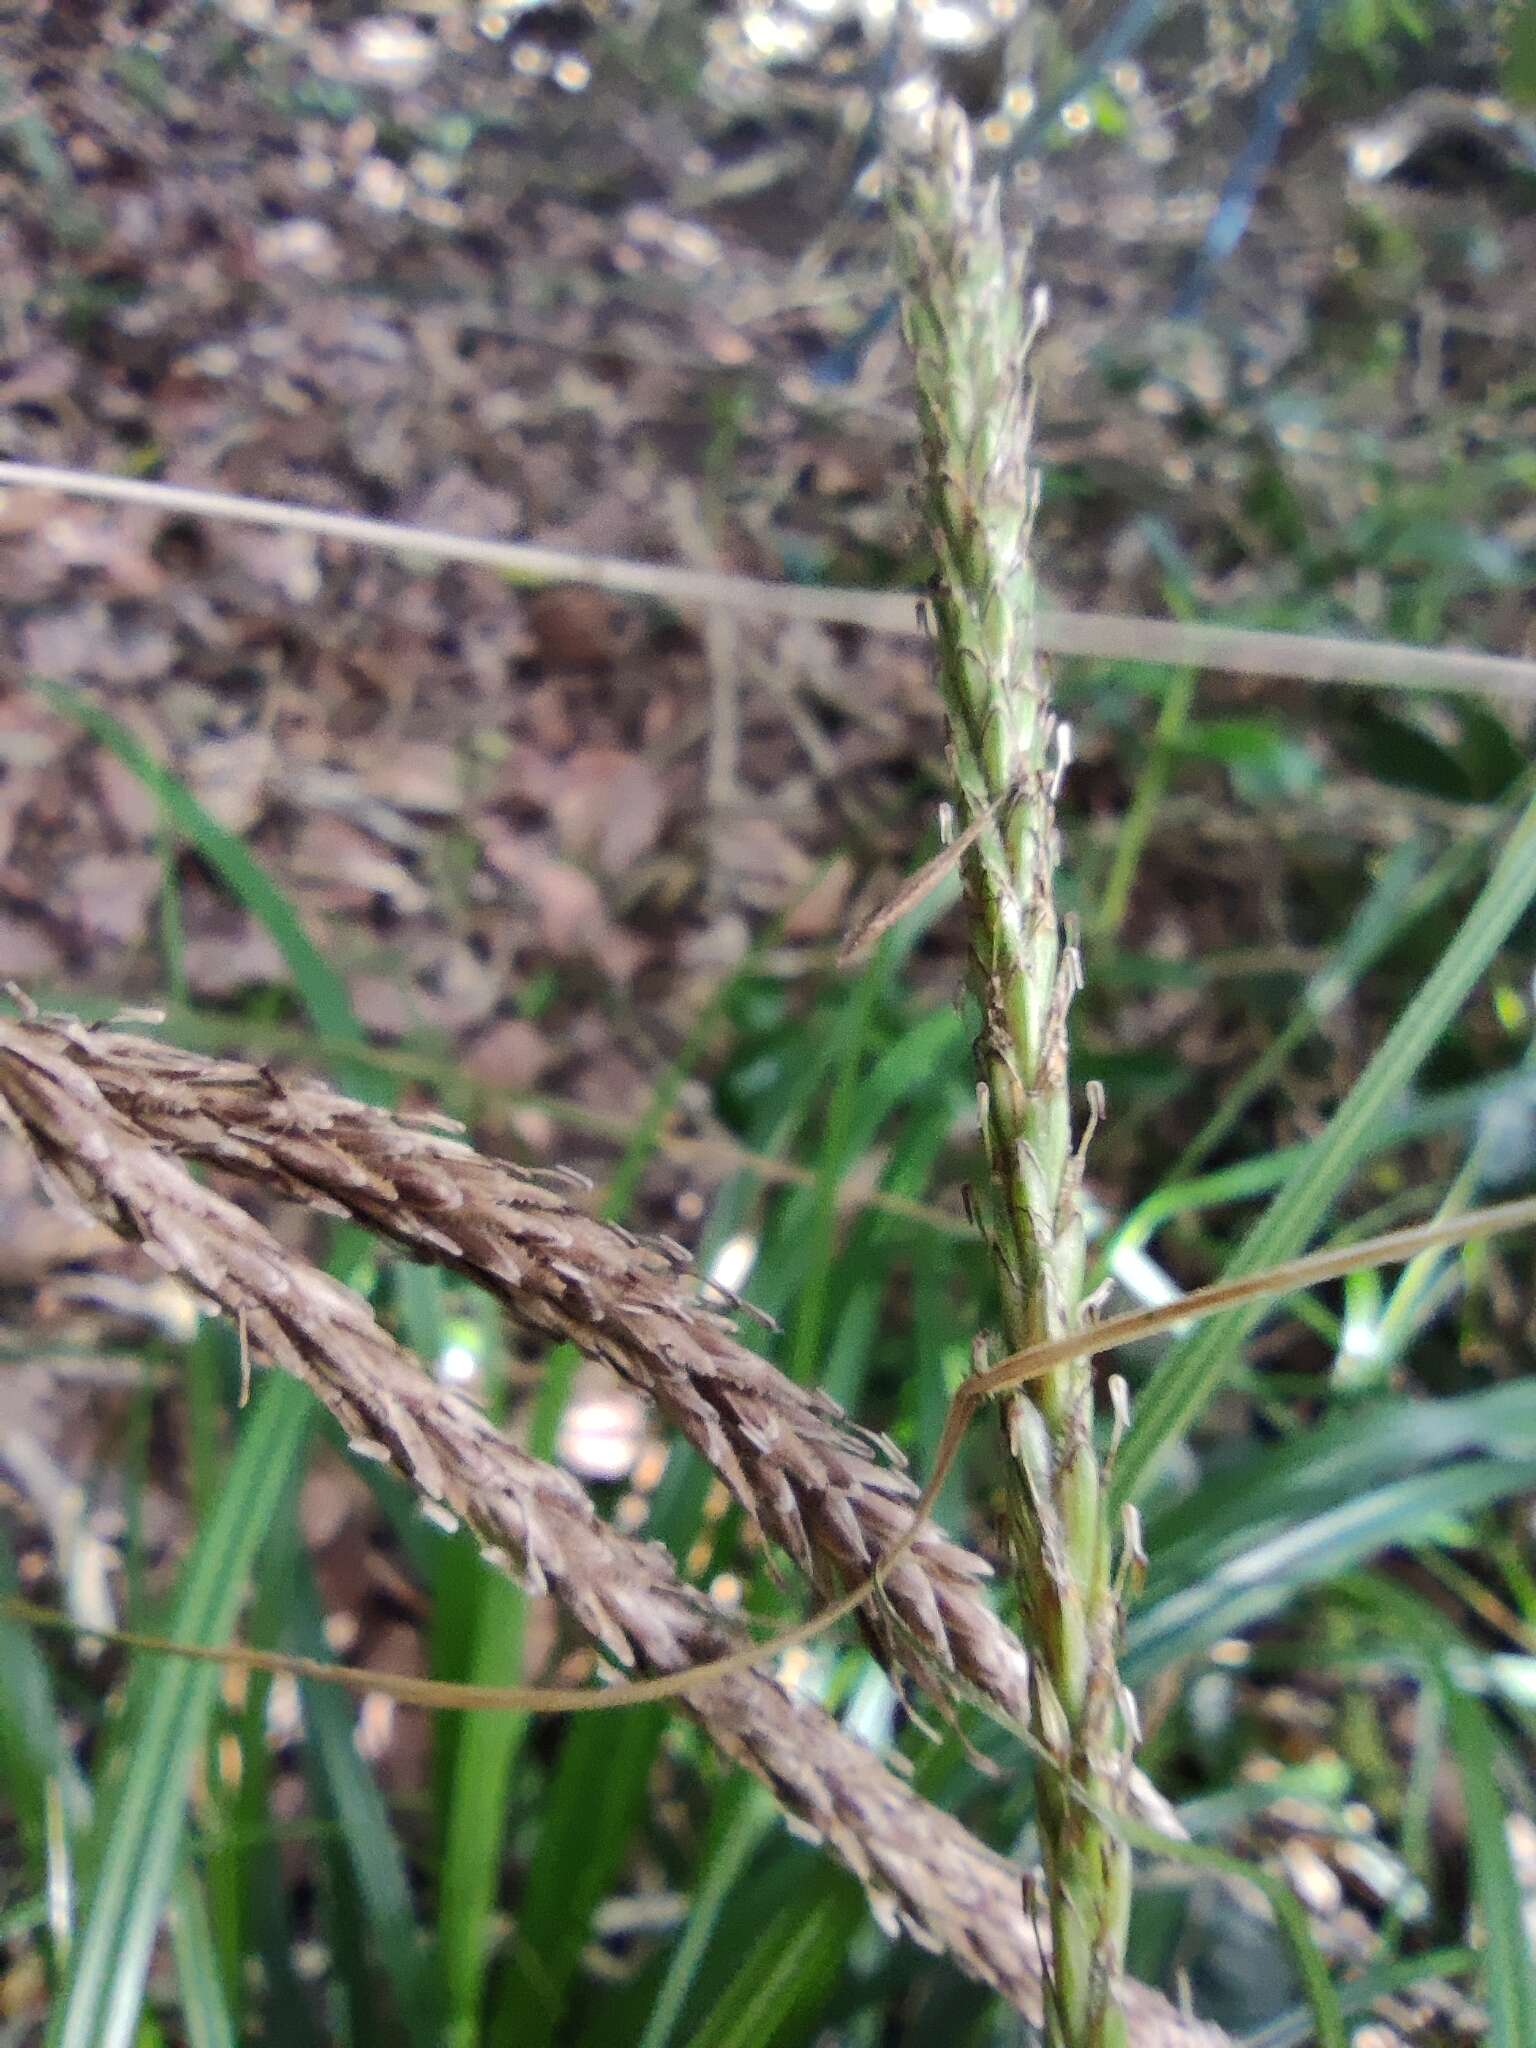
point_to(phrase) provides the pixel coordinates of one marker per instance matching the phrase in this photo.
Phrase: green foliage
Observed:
(1190, 1376)
(135, 1843)
(1510, 1977)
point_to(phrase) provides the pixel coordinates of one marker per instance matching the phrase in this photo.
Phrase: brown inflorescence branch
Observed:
(815, 1482)
(925, 1874)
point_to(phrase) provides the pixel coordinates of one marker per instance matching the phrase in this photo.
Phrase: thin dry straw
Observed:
(1109, 636)
(924, 1873)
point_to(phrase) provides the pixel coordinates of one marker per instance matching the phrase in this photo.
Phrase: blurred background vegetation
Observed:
(576, 869)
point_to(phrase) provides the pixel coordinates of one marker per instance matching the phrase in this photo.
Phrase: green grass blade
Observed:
(818, 1246)
(139, 1833)
(1401, 895)
(484, 1755)
(33, 1755)
(1333, 1463)
(1316, 1980)
(1195, 1368)
(1295, 2029)
(1426, 1116)
(861, 1284)
(598, 1795)
(173, 931)
(323, 991)
(1246, 1540)
(204, 2009)
(1151, 787)
(1261, 1579)
(1509, 1976)
(789, 1970)
(1372, 928)
(347, 1793)
(474, 1832)
(744, 1817)
(251, 1904)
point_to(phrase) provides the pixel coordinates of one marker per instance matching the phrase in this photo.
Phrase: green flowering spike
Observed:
(970, 318)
